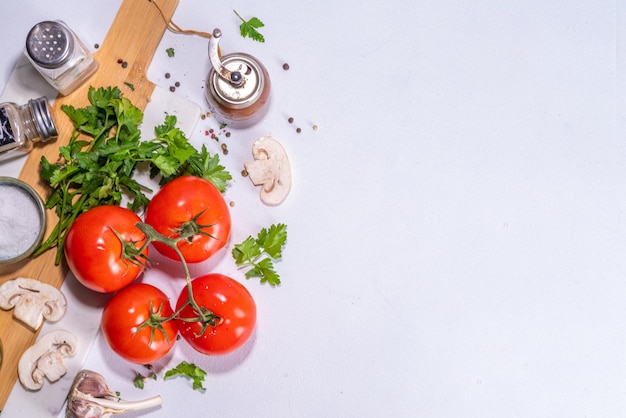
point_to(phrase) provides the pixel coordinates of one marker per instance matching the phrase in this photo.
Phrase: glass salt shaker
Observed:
(238, 87)
(23, 125)
(59, 55)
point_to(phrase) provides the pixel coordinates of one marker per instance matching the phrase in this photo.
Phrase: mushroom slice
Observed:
(32, 301)
(45, 359)
(270, 169)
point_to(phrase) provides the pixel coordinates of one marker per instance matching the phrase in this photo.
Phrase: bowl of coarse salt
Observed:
(22, 220)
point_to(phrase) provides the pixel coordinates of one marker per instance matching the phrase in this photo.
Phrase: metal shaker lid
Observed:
(43, 118)
(50, 44)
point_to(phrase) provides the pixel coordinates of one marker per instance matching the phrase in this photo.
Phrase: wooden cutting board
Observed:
(133, 37)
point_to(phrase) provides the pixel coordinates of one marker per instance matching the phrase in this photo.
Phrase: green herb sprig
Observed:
(190, 370)
(260, 253)
(140, 380)
(248, 28)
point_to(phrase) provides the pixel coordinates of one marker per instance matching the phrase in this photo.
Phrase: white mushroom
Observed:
(270, 169)
(45, 359)
(32, 301)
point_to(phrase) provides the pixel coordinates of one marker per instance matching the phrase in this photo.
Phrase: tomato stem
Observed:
(155, 321)
(130, 252)
(206, 316)
(191, 228)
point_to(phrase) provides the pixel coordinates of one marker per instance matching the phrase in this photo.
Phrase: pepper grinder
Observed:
(238, 86)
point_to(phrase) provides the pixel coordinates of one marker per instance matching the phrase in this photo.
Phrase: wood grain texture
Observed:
(133, 37)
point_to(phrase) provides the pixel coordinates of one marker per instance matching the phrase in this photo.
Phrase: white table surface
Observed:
(457, 224)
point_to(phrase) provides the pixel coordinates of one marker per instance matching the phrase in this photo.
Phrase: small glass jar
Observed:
(21, 126)
(23, 222)
(238, 87)
(59, 56)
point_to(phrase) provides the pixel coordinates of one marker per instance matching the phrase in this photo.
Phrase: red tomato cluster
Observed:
(107, 252)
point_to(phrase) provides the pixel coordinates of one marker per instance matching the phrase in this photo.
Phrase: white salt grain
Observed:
(20, 222)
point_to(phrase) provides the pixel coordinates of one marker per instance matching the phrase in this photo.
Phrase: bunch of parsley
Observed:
(96, 167)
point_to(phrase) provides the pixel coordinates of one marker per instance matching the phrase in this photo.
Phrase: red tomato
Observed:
(228, 299)
(96, 255)
(123, 316)
(193, 208)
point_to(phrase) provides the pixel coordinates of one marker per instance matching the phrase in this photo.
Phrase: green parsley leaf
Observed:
(170, 52)
(248, 28)
(260, 253)
(140, 380)
(190, 370)
(184, 159)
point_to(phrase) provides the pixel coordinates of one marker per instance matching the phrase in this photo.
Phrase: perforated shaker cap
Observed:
(50, 44)
(43, 118)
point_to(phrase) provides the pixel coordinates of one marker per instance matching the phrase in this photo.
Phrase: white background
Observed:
(457, 233)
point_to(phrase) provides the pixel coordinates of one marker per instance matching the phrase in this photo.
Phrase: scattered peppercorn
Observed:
(124, 64)
(203, 116)
(227, 134)
(96, 46)
(244, 173)
(224, 146)
(285, 66)
(119, 61)
(172, 89)
(315, 127)
(232, 204)
(290, 120)
(167, 75)
(225, 151)
(177, 84)
(298, 130)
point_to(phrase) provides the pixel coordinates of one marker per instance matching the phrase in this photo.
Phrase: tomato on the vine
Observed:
(132, 323)
(96, 254)
(226, 298)
(193, 209)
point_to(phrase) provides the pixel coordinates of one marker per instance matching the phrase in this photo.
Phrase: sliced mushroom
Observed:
(32, 301)
(44, 359)
(270, 169)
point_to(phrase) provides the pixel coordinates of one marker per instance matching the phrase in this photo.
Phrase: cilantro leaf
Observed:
(248, 28)
(190, 370)
(259, 253)
(170, 52)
